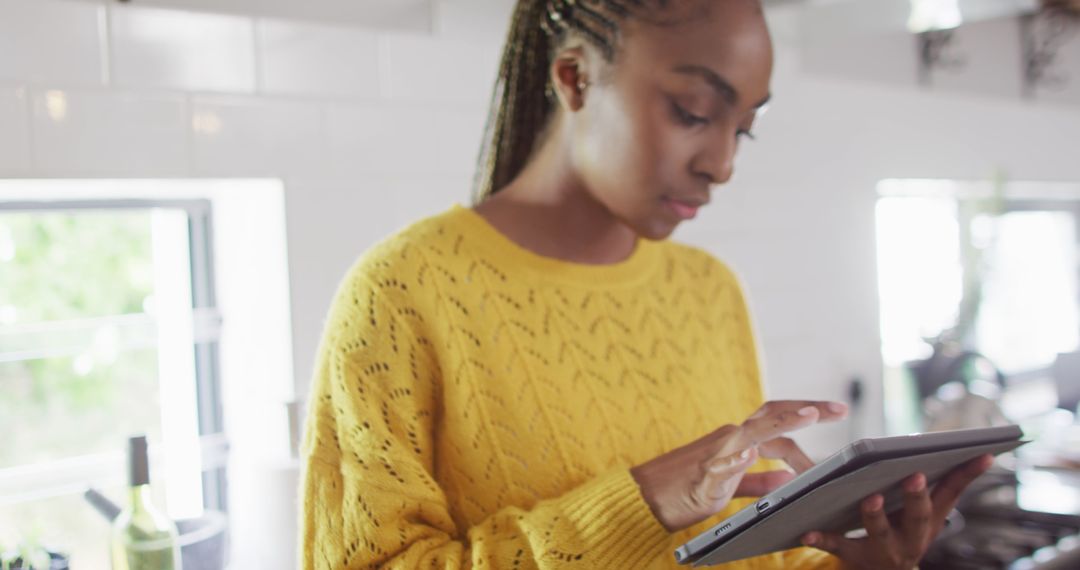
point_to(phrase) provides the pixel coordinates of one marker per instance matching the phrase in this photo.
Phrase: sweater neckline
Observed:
(638, 266)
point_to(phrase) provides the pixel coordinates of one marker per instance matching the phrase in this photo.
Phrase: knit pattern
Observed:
(477, 405)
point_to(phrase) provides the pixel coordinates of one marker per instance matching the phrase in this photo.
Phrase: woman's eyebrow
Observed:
(722, 86)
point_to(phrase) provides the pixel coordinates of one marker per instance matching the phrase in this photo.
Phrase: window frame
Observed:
(26, 483)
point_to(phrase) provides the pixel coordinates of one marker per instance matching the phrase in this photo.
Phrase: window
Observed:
(1029, 306)
(920, 275)
(997, 266)
(108, 328)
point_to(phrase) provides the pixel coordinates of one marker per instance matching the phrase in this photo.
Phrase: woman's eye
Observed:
(686, 117)
(745, 134)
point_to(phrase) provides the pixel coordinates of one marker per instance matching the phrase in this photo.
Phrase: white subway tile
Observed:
(313, 59)
(474, 20)
(403, 139)
(174, 49)
(91, 133)
(255, 137)
(888, 58)
(14, 131)
(50, 40)
(430, 69)
(403, 15)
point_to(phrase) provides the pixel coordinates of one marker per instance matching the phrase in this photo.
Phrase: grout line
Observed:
(28, 113)
(325, 146)
(105, 43)
(435, 9)
(247, 96)
(257, 55)
(382, 77)
(189, 135)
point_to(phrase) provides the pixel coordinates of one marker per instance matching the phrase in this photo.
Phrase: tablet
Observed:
(826, 497)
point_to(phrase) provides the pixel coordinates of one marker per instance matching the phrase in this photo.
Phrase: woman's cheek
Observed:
(610, 152)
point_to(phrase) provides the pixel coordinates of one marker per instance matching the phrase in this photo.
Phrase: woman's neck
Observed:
(548, 210)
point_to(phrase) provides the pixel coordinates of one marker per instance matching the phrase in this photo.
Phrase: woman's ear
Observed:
(569, 77)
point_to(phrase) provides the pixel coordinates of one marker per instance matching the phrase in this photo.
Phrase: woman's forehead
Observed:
(694, 27)
(731, 39)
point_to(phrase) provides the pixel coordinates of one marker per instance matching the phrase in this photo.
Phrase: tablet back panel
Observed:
(848, 459)
(837, 502)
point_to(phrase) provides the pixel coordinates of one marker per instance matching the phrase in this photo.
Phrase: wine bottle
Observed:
(143, 538)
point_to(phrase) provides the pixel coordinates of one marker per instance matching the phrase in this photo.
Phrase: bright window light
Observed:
(1029, 308)
(931, 15)
(920, 278)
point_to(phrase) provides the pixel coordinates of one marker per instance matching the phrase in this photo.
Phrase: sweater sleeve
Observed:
(811, 559)
(371, 498)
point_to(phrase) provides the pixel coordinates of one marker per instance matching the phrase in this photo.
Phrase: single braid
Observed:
(522, 101)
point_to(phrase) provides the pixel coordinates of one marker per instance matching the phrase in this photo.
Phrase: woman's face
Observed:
(656, 135)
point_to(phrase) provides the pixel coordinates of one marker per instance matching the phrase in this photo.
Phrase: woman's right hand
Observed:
(688, 485)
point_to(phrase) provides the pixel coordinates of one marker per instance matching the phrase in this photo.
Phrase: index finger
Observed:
(827, 410)
(772, 425)
(947, 493)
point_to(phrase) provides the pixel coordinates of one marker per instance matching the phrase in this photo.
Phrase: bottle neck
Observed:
(140, 498)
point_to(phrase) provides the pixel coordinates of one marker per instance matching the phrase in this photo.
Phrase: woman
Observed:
(542, 380)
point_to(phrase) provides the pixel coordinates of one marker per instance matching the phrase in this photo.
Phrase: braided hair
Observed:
(523, 100)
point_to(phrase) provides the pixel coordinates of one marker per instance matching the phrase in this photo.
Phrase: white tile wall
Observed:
(414, 139)
(317, 60)
(58, 41)
(234, 136)
(482, 21)
(170, 49)
(409, 15)
(434, 70)
(14, 131)
(109, 133)
(888, 58)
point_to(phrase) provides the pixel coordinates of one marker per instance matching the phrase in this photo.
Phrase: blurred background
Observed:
(184, 182)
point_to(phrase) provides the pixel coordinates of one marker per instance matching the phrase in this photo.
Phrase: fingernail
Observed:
(836, 407)
(810, 539)
(745, 454)
(807, 411)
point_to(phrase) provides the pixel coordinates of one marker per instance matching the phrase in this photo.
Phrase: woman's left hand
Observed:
(889, 546)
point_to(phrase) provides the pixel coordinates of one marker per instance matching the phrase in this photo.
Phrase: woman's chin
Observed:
(656, 230)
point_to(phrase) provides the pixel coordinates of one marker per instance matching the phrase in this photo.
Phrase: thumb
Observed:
(758, 484)
(722, 478)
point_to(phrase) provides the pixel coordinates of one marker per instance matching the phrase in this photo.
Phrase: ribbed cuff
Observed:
(614, 521)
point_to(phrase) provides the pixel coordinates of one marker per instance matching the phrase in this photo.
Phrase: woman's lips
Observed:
(684, 210)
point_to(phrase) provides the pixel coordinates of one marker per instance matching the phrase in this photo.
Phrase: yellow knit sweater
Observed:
(477, 405)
